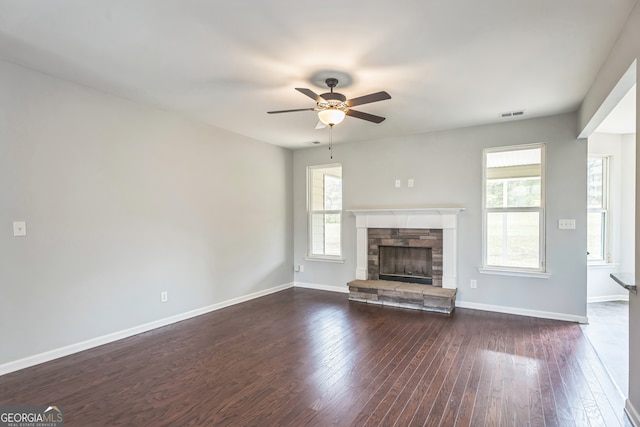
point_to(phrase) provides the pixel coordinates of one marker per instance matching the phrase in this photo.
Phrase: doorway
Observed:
(611, 174)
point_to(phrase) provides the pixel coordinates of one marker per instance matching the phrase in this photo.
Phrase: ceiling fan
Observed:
(333, 106)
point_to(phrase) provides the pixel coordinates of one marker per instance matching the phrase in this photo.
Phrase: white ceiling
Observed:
(446, 63)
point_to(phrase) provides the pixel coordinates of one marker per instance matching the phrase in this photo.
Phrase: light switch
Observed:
(567, 224)
(398, 183)
(19, 228)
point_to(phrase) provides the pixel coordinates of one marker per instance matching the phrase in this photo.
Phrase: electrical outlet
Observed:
(473, 284)
(164, 296)
(410, 183)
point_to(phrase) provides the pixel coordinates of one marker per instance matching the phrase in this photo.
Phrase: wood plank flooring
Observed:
(304, 357)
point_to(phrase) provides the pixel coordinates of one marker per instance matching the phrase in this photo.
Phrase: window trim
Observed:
(310, 255)
(541, 271)
(606, 209)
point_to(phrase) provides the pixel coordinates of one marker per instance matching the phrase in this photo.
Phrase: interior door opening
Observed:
(611, 172)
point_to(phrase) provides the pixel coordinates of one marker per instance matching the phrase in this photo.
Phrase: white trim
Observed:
(406, 211)
(522, 312)
(330, 288)
(47, 356)
(518, 273)
(595, 265)
(607, 298)
(633, 414)
(324, 259)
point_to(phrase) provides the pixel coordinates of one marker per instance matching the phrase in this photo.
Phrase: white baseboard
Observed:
(608, 298)
(522, 312)
(341, 289)
(115, 336)
(633, 414)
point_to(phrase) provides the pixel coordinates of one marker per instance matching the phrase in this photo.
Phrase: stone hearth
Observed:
(405, 295)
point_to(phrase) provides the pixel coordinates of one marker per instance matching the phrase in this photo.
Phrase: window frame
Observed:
(310, 212)
(541, 270)
(605, 209)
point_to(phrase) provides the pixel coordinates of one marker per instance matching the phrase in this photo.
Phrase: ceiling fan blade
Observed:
(366, 99)
(311, 94)
(365, 116)
(320, 125)
(290, 111)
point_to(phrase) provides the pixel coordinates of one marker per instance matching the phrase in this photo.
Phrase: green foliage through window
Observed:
(597, 204)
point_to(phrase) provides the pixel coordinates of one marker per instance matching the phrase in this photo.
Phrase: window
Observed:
(514, 208)
(325, 211)
(598, 212)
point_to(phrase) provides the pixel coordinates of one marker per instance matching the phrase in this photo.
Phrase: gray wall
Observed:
(599, 101)
(122, 202)
(447, 169)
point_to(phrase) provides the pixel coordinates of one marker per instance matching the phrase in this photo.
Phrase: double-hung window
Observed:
(513, 201)
(598, 209)
(325, 211)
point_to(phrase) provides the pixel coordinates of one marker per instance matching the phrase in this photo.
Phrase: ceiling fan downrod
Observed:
(331, 83)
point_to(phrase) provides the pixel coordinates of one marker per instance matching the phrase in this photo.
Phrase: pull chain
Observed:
(331, 141)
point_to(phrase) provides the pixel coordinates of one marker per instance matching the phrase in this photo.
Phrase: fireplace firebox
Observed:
(406, 264)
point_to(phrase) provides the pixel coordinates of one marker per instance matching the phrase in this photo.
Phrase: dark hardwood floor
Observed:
(303, 357)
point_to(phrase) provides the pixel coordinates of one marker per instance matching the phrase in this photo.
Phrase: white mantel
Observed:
(441, 218)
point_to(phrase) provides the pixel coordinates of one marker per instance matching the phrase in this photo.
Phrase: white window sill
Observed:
(517, 273)
(601, 265)
(323, 259)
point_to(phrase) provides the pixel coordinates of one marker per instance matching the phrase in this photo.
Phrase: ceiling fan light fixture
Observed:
(333, 106)
(331, 116)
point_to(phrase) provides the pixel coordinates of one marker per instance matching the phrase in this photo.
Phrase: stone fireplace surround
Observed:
(416, 238)
(424, 218)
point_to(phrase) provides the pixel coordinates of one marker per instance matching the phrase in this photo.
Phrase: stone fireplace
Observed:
(406, 258)
(434, 228)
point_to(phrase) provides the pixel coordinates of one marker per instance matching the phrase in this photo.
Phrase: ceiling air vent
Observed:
(512, 114)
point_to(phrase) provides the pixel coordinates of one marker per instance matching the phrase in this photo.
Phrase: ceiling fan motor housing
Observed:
(334, 96)
(332, 100)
